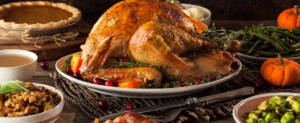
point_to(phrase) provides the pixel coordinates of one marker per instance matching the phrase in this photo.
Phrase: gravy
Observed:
(11, 60)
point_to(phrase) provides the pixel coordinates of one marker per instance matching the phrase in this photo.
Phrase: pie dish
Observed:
(37, 15)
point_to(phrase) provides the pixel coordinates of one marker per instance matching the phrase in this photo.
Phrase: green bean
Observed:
(267, 53)
(262, 47)
(297, 45)
(253, 46)
(283, 33)
(244, 50)
(293, 55)
(267, 38)
(282, 43)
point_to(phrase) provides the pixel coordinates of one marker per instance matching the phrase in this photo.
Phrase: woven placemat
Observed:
(88, 100)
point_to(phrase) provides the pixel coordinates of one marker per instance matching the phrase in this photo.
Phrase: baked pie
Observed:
(37, 15)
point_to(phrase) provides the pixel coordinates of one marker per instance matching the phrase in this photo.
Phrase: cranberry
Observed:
(258, 83)
(128, 107)
(198, 80)
(77, 75)
(101, 104)
(124, 59)
(97, 81)
(44, 65)
(109, 83)
(69, 71)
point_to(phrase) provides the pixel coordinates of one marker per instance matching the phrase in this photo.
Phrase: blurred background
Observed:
(231, 14)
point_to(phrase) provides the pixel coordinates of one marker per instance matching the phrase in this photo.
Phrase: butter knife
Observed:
(192, 101)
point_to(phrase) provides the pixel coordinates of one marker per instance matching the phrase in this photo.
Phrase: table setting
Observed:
(147, 61)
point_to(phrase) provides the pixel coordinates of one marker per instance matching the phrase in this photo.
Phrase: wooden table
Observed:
(42, 76)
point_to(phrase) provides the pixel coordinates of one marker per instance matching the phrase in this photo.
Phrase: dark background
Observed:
(229, 13)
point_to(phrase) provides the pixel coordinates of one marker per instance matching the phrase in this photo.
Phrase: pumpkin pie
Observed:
(37, 15)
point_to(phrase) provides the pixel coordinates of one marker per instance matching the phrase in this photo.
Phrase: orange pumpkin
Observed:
(289, 18)
(281, 72)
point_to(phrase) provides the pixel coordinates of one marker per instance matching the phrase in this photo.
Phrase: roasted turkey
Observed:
(153, 32)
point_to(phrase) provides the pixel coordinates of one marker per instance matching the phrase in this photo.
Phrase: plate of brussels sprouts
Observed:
(281, 107)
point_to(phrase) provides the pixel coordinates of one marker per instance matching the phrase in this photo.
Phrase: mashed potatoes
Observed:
(194, 12)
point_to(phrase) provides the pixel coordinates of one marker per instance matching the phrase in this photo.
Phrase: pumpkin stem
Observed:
(280, 59)
(296, 8)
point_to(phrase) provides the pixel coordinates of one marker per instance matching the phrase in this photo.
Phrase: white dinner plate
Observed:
(142, 92)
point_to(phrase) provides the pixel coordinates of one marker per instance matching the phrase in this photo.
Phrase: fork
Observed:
(169, 115)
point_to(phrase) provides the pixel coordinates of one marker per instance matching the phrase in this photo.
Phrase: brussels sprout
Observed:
(278, 110)
(260, 120)
(297, 98)
(288, 117)
(251, 120)
(258, 112)
(263, 105)
(264, 114)
(253, 115)
(271, 117)
(274, 121)
(276, 100)
(284, 104)
(296, 106)
(290, 99)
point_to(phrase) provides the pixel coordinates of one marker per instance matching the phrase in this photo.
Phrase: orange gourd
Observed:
(289, 18)
(131, 84)
(281, 72)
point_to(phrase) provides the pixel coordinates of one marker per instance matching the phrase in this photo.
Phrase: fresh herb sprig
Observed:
(12, 86)
(131, 63)
(67, 64)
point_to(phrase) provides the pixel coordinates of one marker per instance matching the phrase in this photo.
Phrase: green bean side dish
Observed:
(279, 109)
(268, 41)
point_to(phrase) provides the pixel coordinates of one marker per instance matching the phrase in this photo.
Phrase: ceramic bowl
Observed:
(49, 116)
(251, 103)
(23, 72)
(207, 13)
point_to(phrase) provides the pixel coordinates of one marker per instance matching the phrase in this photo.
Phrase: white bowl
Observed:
(207, 13)
(49, 116)
(22, 72)
(251, 103)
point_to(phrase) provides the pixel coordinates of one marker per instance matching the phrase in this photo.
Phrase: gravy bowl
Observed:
(23, 72)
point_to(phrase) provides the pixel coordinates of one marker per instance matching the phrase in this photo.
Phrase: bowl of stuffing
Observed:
(26, 102)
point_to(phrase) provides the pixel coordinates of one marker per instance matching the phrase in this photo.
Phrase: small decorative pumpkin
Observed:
(289, 18)
(281, 72)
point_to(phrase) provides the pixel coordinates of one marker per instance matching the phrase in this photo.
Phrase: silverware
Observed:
(169, 115)
(193, 101)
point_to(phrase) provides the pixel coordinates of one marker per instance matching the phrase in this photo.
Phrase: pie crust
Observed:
(59, 15)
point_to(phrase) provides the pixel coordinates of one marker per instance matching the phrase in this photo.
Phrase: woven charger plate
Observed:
(143, 93)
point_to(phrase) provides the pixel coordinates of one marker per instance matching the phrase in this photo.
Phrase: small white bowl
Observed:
(49, 116)
(22, 72)
(251, 103)
(207, 13)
